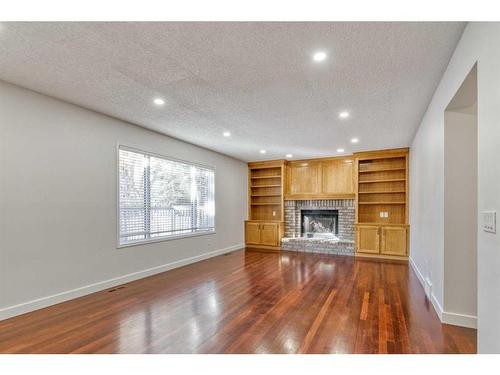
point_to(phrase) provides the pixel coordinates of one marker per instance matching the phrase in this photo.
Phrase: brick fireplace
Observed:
(345, 227)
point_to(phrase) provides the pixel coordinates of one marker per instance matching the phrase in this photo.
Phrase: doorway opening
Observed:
(460, 205)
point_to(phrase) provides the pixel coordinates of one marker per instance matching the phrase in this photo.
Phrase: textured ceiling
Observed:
(256, 80)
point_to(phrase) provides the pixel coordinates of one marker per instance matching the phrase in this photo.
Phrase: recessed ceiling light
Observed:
(344, 114)
(159, 101)
(354, 140)
(262, 151)
(319, 56)
(226, 134)
(340, 150)
(289, 155)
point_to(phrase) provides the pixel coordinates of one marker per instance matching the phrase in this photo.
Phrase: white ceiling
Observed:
(256, 80)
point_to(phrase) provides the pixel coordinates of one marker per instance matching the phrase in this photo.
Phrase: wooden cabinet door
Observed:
(269, 234)
(304, 178)
(252, 233)
(368, 240)
(393, 241)
(337, 176)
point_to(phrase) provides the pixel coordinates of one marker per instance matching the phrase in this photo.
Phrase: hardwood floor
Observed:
(248, 302)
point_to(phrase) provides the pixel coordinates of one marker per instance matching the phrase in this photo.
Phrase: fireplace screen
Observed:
(319, 223)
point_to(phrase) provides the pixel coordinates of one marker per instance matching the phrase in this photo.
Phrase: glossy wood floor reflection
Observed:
(248, 302)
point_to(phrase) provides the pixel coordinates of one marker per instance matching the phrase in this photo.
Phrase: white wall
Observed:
(460, 217)
(58, 202)
(480, 42)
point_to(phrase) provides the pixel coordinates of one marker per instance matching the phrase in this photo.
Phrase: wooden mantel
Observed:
(310, 197)
(326, 178)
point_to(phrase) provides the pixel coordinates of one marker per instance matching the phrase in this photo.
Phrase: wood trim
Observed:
(249, 194)
(383, 192)
(265, 204)
(386, 258)
(304, 197)
(266, 186)
(407, 194)
(266, 164)
(265, 177)
(282, 191)
(266, 195)
(383, 170)
(355, 172)
(382, 181)
(381, 203)
(381, 154)
(272, 249)
(326, 158)
(265, 221)
(382, 225)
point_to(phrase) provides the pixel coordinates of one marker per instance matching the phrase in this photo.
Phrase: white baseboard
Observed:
(420, 277)
(424, 281)
(427, 285)
(455, 319)
(461, 320)
(437, 307)
(40, 303)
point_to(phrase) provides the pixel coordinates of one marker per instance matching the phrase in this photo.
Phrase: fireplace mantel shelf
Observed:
(307, 197)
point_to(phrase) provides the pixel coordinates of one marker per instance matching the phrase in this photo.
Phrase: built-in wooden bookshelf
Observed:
(266, 182)
(264, 227)
(382, 188)
(382, 202)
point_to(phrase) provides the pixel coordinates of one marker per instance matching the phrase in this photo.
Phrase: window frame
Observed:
(142, 150)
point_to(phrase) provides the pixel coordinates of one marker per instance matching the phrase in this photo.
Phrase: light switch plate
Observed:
(490, 221)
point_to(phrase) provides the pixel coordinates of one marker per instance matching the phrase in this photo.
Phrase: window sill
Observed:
(162, 239)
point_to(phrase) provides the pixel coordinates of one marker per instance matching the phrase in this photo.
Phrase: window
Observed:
(161, 198)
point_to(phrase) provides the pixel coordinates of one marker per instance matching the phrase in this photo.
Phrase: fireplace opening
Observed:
(319, 223)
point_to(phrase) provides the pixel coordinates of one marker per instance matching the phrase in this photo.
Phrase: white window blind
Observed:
(163, 198)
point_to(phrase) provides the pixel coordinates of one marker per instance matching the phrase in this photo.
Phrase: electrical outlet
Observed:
(490, 221)
(381, 214)
(274, 213)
